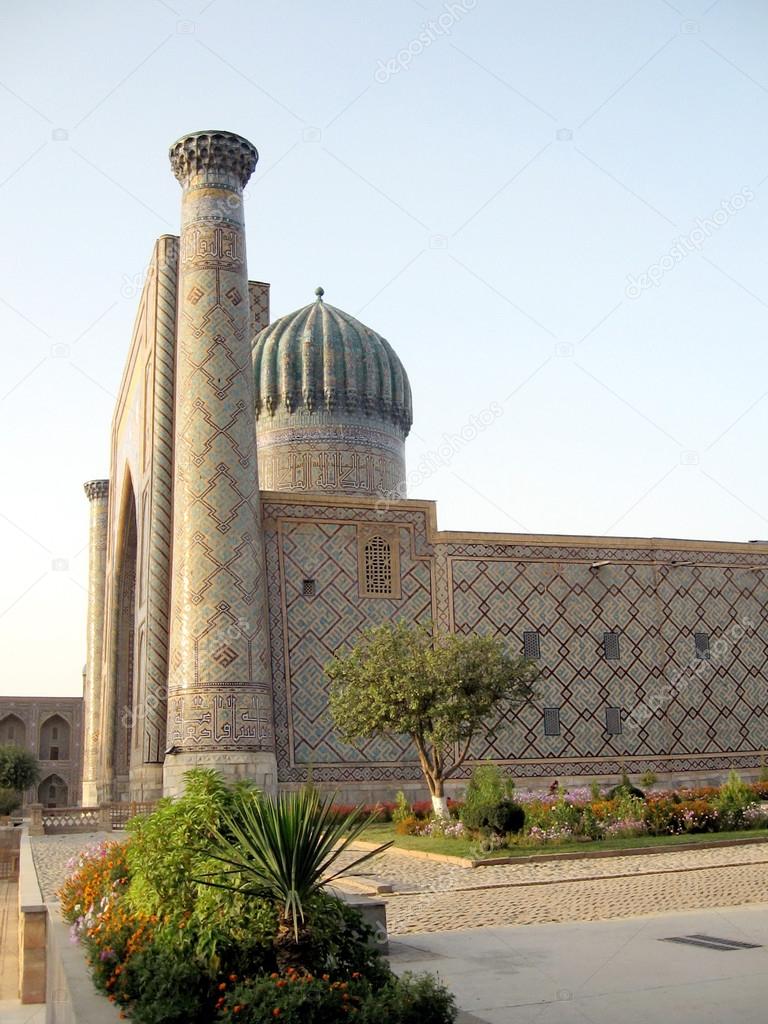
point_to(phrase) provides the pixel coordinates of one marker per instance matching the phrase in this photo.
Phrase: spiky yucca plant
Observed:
(284, 849)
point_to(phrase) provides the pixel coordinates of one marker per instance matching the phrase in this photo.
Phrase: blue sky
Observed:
(554, 211)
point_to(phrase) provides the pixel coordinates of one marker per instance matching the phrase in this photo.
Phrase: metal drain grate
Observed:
(710, 942)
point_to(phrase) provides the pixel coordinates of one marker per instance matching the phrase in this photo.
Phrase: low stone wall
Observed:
(72, 998)
(32, 929)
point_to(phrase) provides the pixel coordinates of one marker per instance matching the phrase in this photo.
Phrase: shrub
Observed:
(19, 768)
(626, 788)
(732, 800)
(408, 826)
(501, 817)
(307, 999)
(402, 808)
(648, 779)
(10, 799)
(488, 804)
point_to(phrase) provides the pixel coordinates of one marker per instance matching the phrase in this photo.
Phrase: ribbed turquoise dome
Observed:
(322, 359)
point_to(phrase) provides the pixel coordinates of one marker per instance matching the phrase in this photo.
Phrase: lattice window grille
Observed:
(613, 721)
(551, 721)
(701, 643)
(308, 588)
(378, 566)
(531, 644)
(611, 647)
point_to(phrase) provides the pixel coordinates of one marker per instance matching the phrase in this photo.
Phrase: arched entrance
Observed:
(125, 651)
(54, 739)
(53, 792)
(13, 730)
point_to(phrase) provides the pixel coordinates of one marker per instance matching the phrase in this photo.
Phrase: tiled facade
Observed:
(52, 729)
(223, 597)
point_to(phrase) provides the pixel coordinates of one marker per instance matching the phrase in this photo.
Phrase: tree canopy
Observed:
(18, 767)
(442, 690)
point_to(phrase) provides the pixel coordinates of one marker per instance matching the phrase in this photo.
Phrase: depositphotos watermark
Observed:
(686, 244)
(431, 30)
(681, 679)
(435, 459)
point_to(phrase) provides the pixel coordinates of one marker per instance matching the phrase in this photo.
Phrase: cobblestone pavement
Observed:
(435, 896)
(51, 853)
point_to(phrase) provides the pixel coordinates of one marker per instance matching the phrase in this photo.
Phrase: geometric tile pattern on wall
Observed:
(679, 713)
(673, 703)
(312, 629)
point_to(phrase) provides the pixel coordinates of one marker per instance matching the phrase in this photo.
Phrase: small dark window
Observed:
(613, 721)
(54, 754)
(54, 732)
(611, 646)
(701, 642)
(308, 588)
(531, 644)
(10, 732)
(551, 721)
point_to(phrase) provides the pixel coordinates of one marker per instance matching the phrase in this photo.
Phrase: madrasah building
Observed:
(255, 521)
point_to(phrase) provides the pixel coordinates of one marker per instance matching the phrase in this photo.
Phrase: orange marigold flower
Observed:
(222, 986)
(233, 977)
(276, 1012)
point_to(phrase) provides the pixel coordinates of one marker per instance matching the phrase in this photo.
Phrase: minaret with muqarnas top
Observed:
(219, 686)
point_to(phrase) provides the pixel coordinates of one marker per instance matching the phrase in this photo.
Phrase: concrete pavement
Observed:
(602, 972)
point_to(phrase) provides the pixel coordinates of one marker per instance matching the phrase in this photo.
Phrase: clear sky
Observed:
(557, 213)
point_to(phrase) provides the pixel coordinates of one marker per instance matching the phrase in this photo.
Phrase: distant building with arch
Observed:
(52, 729)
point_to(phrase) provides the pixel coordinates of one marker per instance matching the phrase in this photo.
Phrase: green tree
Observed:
(19, 768)
(440, 690)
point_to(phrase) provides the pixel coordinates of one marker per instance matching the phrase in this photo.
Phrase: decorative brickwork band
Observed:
(219, 683)
(98, 496)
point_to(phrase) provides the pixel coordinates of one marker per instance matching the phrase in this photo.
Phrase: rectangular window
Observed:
(613, 721)
(551, 721)
(611, 646)
(531, 644)
(701, 642)
(308, 588)
(54, 732)
(54, 754)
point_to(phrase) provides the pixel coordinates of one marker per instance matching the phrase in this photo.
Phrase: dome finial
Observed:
(320, 292)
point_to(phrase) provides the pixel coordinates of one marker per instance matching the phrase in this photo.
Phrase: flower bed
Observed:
(486, 823)
(173, 934)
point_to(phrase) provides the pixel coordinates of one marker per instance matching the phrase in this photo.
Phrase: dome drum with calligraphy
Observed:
(333, 405)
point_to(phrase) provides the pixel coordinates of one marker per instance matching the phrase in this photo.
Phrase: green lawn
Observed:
(385, 832)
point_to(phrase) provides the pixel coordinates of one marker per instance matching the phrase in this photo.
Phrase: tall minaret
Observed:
(219, 686)
(98, 496)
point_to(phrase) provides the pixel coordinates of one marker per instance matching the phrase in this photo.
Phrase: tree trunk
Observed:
(440, 806)
(290, 951)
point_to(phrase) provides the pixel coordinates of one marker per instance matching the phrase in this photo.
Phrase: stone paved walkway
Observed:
(433, 896)
(51, 853)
